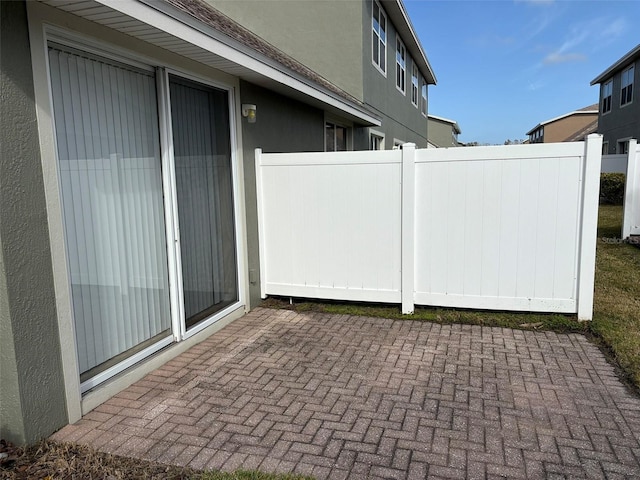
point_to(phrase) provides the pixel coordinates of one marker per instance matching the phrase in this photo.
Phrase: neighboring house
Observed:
(443, 132)
(129, 226)
(619, 114)
(570, 127)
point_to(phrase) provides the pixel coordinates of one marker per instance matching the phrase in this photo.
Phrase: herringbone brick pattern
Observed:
(348, 397)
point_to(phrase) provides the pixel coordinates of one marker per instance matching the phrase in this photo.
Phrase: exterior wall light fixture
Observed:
(249, 112)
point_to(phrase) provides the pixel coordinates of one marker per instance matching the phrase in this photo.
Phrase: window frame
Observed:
(379, 135)
(624, 143)
(379, 63)
(423, 97)
(347, 134)
(100, 46)
(628, 87)
(401, 70)
(415, 85)
(606, 99)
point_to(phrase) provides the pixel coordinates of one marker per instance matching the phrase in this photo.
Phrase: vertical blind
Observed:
(202, 151)
(111, 182)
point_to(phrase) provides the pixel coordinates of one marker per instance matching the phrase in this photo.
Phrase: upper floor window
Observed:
(401, 66)
(379, 37)
(606, 96)
(423, 102)
(626, 94)
(414, 84)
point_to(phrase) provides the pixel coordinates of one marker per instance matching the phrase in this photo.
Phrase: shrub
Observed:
(612, 188)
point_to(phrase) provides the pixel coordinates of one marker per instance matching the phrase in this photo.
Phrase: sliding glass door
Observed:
(202, 152)
(111, 184)
(116, 193)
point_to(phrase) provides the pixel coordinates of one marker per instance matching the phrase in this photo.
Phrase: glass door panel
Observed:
(107, 136)
(204, 187)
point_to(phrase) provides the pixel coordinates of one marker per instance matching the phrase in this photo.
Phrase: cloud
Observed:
(587, 36)
(612, 30)
(554, 58)
(567, 51)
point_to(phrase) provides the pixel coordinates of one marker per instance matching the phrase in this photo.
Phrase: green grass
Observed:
(527, 321)
(616, 321)
(616, 316)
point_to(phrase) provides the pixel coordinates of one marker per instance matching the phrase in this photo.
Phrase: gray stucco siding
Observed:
(621, 122)
(333, 50)
(282, 125)
(32, 397)
(400, 117)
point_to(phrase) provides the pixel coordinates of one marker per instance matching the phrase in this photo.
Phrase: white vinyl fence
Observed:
(506, 228)
(631, 215)
(614, 163)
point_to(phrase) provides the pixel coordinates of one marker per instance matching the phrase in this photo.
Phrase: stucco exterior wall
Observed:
(401, 119)
(440, 133)
(326, 36)
(621, 122)
(560, 130)
(282, 125)
(32, 397)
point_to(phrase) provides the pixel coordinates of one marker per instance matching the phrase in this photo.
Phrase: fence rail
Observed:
(508, 228)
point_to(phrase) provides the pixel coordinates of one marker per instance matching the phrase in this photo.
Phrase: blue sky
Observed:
(504, 66)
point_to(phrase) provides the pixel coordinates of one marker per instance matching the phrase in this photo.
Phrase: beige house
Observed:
(570, 127)
(442, 132)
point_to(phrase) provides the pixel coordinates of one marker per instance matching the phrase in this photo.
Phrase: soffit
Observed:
(219, 52)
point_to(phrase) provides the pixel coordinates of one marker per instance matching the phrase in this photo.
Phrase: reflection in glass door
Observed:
(202, 153)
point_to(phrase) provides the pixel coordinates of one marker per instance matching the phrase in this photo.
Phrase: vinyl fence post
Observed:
(261, 232)
(589, 227)
(631, 189)
(408, 226)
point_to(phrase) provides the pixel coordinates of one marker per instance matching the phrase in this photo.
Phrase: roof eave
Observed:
(398, 14)
(631, 56)
(555, 119)
(270, 69)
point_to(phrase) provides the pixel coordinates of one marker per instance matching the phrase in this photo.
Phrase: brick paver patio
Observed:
(348, 397)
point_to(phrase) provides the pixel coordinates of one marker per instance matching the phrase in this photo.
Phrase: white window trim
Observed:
(377, 134)
(423, 98)
(41, 34)
(397, 143)
(378, 66)
(400, 45)
(415, 87)
(610, 81)
(632, 83)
